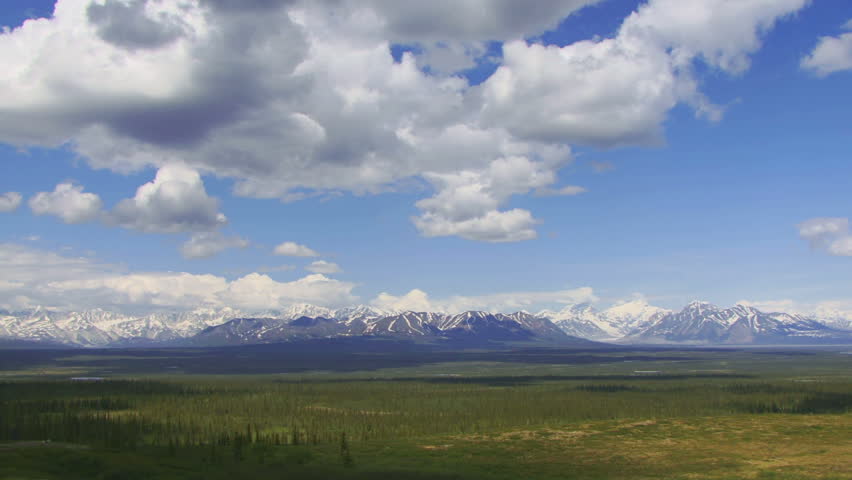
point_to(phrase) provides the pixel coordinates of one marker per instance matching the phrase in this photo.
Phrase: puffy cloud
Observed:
(832, 54)
(68, 202)
(257, 291)
(324, 267)
(129, 25)
(155, 289)
(721, 32)
(620, 92)
(45, 278)
(293, 249)
(175, 201)
(208, 244)
(276, 96)
(494, 226)
(508, 302)
(829, 234)
(467, 202)
(9, 201)
(416, 301)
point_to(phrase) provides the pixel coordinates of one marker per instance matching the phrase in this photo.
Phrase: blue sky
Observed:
(738, 140)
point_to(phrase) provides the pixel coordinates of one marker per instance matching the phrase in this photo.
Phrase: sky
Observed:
(444, 155)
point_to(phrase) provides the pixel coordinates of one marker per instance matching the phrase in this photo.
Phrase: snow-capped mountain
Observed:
(704, 323)
(618, 321)
(628, 322)
(361, 312)
(469, 327)
(581, 320)
(837, 319)
(628, 317)
(99, 327)
(405, 324)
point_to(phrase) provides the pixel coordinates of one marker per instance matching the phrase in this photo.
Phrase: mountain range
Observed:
(636, 322)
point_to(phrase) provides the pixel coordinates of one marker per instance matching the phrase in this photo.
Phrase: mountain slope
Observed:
(703, 323)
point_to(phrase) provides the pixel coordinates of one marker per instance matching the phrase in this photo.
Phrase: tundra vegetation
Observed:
(595, 414)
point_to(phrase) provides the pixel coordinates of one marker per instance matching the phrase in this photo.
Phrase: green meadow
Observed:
(548, 414)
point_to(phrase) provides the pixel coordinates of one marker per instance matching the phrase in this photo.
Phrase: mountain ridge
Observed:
(632, 322)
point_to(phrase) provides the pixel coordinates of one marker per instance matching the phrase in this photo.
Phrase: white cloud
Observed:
(508, 302)
(68, 202)
(293, 249)
(828, 233)
(818, 229)
(831, 54)
(494, 226)
(324, 267)
(841, 246)
(568, 191)
(45, 278)
(257, 291)
(9, 201)
(620, 92)
(175, 201)
(723, 33)
(467, 202)
(416, 301)
(293, 99)
(208, 244)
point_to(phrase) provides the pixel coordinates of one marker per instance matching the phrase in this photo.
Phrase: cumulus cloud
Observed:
(129, 25)
(722, 33)
(257, 291)
(415, 300)
(175, 201)
(831, 54)
(276, 96)
(293, 249)
(622, 88)
(528, 95)
(467, 202)
(40, 277)
(68, 202)
(828, 233)
(208, 244)
(508, 302)
(324, 267)
(9, 201)
(494, 226)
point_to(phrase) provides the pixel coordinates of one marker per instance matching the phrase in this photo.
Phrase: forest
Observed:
(79, 414)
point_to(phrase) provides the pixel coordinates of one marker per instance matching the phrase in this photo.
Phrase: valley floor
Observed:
(548, 414)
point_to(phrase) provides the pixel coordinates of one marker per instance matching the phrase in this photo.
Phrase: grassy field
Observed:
(620, 414)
